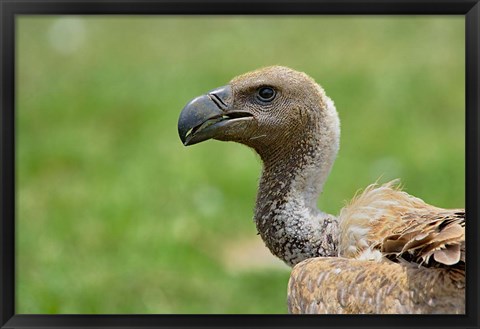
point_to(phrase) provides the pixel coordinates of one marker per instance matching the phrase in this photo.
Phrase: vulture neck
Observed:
(286, 214)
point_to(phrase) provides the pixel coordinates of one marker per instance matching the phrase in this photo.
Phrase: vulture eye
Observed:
(266, 94)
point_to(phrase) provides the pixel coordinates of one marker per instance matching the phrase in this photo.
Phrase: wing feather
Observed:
(397, 255)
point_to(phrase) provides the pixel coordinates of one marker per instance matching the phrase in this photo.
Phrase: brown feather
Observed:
(332, 285)
(407, 280)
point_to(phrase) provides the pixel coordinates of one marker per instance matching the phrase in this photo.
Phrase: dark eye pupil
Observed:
(266, 93)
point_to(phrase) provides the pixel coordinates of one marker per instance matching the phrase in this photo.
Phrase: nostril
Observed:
(218, 101)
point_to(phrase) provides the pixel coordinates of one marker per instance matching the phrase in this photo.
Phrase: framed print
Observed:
(351, 203)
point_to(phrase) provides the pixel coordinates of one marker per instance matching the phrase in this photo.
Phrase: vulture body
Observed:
(387, 252)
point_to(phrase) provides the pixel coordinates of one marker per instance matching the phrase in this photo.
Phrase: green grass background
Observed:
(114, 215)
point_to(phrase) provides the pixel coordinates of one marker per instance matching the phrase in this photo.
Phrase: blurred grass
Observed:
(114, 215)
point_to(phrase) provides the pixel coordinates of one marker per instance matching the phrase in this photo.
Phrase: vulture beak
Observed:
(208, 116)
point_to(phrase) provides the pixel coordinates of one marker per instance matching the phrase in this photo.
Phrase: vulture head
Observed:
(289, 121)
(274, 110)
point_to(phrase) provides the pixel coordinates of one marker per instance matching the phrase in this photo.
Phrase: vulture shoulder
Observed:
(397, 255)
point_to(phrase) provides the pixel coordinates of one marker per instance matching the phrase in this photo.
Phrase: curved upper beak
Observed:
(205, 116)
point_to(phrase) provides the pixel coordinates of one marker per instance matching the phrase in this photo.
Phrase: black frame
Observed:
(10, 8)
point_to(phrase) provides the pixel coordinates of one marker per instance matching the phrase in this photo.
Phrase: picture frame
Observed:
(12, 9)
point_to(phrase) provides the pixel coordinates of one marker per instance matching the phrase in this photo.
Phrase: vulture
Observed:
(386, 252)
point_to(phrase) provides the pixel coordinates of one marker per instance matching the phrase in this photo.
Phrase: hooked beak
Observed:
(208, 116)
